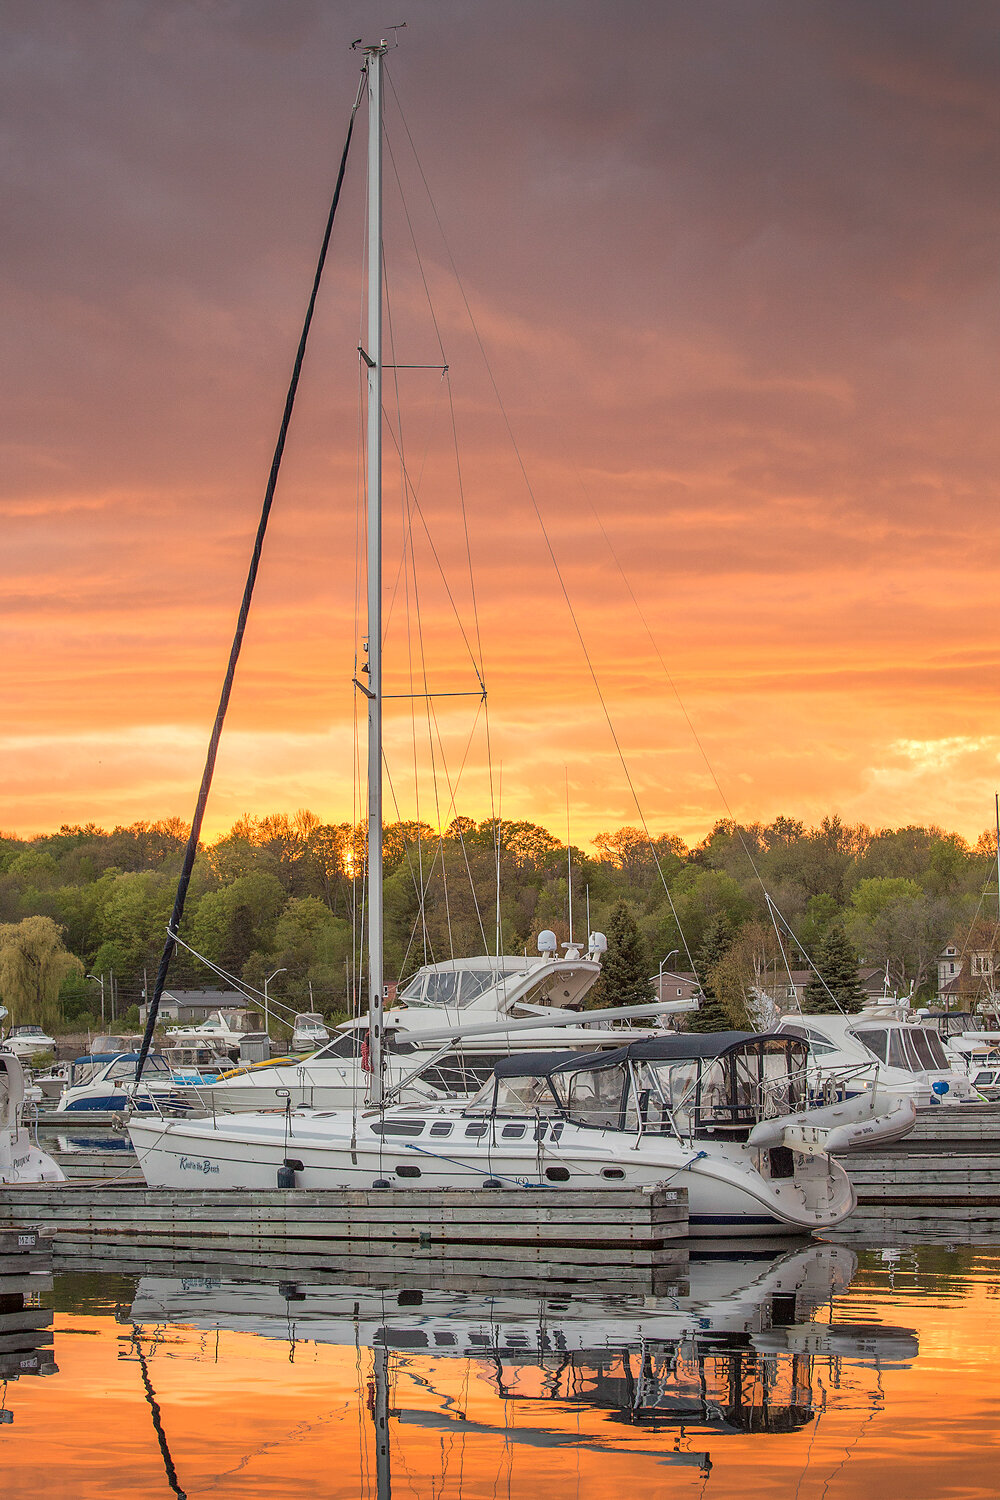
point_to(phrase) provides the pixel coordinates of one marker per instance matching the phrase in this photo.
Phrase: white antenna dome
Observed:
(598, 943)
(547, 942)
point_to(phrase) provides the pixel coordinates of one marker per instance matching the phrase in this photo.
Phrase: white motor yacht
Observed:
(224, 1029)
(491, 1008)
(25, 1041)
(21, 1159)
(901, 1060)
(724, 1114)
(309, 1031)
(195, 1065)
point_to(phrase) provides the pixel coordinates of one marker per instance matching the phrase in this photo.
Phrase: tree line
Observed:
(287, 893)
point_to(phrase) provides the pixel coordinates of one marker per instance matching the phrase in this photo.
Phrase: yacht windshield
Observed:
(928, 1049)
(454, 988)
(898, 1048)
(125, 1067)
(442, 989)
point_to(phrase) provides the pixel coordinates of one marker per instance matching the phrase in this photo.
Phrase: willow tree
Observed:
(33, 965)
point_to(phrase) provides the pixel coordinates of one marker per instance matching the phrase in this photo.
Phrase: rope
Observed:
(220, 715)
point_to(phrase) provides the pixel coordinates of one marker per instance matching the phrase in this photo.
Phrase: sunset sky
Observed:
(734, 267)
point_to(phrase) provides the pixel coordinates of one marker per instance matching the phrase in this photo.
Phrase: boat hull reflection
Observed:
(736, 1346)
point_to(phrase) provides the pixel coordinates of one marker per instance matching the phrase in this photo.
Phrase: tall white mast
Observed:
(373, 359)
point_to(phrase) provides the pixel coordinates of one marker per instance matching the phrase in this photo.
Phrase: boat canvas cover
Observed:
(684, 1046)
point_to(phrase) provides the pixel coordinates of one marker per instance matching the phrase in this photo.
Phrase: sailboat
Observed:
(725, 1115)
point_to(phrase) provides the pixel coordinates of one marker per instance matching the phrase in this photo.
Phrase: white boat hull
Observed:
(727, 1195)
(22, 1162)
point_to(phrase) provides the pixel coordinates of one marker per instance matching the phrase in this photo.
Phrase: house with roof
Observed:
(967, 976)
(189, 1007)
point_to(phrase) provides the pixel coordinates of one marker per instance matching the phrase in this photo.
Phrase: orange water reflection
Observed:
(885, 1386)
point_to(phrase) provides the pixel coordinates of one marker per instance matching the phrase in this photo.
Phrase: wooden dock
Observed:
(25, 1307)
(950, 1159)
(626, 1238)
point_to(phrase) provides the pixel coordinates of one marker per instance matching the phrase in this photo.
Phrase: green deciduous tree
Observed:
(231, 924)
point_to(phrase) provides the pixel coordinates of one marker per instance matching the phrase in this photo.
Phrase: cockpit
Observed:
(689, 1085)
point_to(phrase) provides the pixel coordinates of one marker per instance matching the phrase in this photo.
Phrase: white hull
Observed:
(727, 1195)
(21, 1161)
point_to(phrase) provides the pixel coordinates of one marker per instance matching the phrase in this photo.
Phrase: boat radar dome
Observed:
(547, 942)
(598, 944)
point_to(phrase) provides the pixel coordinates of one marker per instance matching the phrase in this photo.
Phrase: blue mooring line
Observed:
(451, 1160)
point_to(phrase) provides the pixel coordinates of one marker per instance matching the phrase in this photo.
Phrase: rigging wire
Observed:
(772, 908)
(408, 492)
(545, 536)
(194, 836)
(479, 656)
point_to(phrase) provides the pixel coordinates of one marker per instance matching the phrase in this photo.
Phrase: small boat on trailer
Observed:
(727, 1115)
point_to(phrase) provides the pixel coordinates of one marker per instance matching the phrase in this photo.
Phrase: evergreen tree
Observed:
(711, 1014)
(625, 976)
(838, 964)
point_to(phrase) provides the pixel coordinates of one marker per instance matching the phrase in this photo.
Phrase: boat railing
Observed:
(696, 1109)
(804, 1090)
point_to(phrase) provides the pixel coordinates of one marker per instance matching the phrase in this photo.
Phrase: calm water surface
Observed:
(822, 1370)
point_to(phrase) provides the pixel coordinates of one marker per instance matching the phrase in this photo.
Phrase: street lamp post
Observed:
(267, 1013)
(659, 978)
(98, 979)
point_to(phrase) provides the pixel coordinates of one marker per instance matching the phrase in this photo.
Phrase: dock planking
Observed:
(487, 1234)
